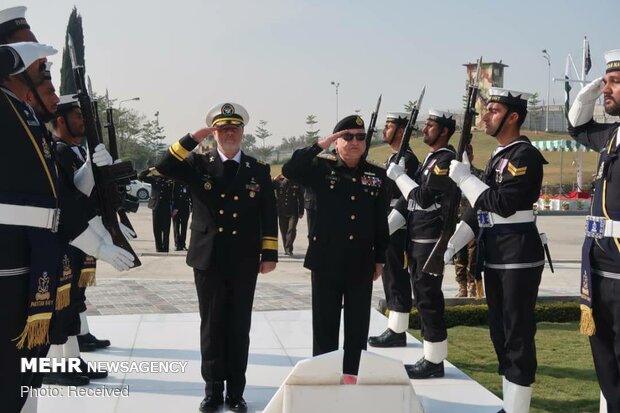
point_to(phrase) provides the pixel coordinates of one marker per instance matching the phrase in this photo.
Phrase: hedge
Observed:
(477, 314)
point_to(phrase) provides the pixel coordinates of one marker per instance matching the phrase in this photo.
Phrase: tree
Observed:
(151, 136)
(74, 28)
(262, 133)
(409, 106)
(264, 152)
(311, 135)
(533, 101)
(248, 143)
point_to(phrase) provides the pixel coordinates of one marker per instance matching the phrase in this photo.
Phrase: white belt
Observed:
(600, 227)
(29, 216)
(412, 206)
(488, 219)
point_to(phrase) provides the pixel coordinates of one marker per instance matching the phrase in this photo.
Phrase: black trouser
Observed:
(288, 230)
(427, 292)
(161, 228)
(225, 305)
(329, 288)
(13, 307)
(179, 227)
(396, 282)
(605, 343)
(310, 216)
(511, 297)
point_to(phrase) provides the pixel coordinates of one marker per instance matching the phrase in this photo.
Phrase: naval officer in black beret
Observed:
(234, 237)
(347, 240)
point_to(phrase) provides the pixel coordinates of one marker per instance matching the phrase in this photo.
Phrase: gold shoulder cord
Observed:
(36, 147)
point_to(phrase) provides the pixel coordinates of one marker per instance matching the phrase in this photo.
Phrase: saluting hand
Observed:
(201, 134)
(326, 142)
(267, 266)
(378, 271)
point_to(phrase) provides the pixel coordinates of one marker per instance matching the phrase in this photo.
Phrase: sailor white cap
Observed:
(227, 114)
(509, 97)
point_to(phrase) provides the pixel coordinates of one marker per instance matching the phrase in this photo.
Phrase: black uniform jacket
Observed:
(233, 227)
(423, 208)
(514, 176)
(181, 197)
(605, 201)
(290, 198)
(351, 231)
(161, 190)
(24, 180)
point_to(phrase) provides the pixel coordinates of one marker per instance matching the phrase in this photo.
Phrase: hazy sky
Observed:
(278, 57)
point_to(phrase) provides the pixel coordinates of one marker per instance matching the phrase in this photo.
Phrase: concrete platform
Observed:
(279, 339)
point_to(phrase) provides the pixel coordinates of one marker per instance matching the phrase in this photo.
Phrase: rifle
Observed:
(434, 264)
(107, 178)
(404, 143)
(371, 127)
(129, 202)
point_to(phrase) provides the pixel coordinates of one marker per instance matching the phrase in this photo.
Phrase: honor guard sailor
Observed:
(348, 238)
(510, 248)
(395, 277)
(234, 237)
(420, 210)
(600, 272)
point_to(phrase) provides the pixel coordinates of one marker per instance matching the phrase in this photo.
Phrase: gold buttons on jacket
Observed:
(353, 217)
(351, 237)
(352, 197)
(235, 215)
(236, 198)
(223, 195)
(221, 212)
(234, 232)
(353, 179)
(221, 229)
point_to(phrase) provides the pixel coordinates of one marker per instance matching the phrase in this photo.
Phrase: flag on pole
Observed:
(588, 61)
(567, 87)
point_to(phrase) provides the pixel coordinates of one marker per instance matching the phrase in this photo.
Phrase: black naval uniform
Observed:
(290, 201)
(349, 237)
(160, 203)
(70, 158)
(423, 209)
(602, 288)
(234, 228)
(26, 250)
(512, 255)
(396, 282)
(310, 207)
(182, 203)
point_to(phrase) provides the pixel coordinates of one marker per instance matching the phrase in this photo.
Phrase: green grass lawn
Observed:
(565, 380)
(484, 146)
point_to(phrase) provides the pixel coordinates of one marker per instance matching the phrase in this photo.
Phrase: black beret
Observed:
(350, 122)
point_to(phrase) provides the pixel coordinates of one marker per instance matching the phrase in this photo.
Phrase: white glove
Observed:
(582, 110)
(90, 242)
(396, 169)
(127, 232)
(460, 171)
(101, 157)
(30, 52)
(395, 221)
(462, 235)
(97, 224)
(471, 186)
(83, 178)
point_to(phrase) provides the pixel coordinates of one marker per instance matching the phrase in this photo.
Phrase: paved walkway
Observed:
(164, 283)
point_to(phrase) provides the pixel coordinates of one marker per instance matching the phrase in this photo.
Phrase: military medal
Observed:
(252, 194)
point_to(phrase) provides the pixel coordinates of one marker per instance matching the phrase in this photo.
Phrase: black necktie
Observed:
(230, 170)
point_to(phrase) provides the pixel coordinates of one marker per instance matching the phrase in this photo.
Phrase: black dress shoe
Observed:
(66, 379)
(236, 404)
(89, 338)
(211, 404)
(424, 369)
(86, 346)
(502, 411)
(91, 374)
(388, 339)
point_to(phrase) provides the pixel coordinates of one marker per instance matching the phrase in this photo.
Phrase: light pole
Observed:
(337, 85)
(126, 100)
(548, 57)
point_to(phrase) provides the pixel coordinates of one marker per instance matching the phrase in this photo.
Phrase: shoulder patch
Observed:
(328, 156)
(514, 171)
(438, 171)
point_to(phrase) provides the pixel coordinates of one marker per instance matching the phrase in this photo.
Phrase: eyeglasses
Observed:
(359, 136)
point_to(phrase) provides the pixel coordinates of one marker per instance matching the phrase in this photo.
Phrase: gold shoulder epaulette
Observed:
(328, 156)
